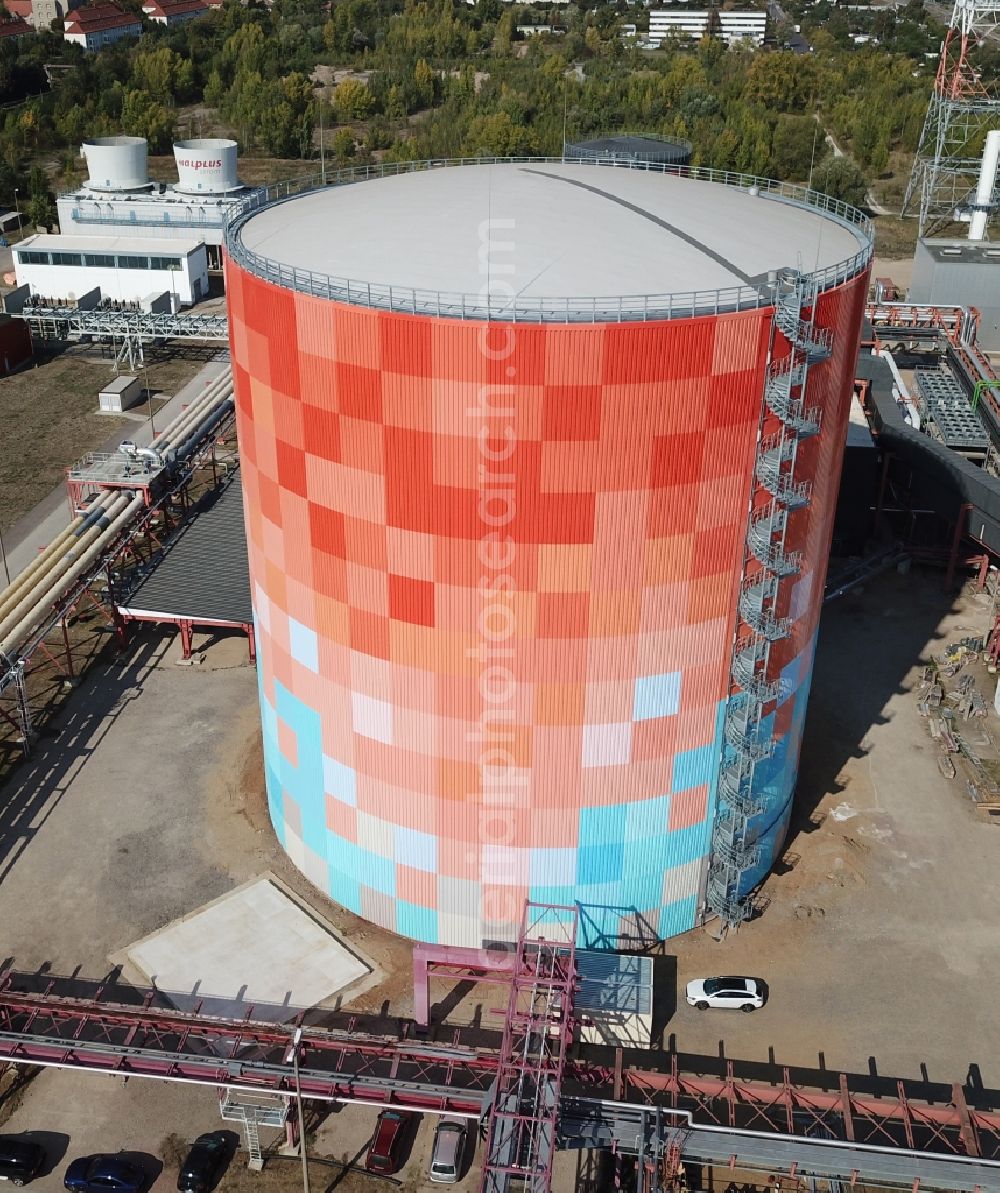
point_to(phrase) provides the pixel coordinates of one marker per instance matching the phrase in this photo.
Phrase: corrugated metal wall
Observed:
(494, 572)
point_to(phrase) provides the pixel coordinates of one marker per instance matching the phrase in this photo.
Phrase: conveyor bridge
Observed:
(699, 1110)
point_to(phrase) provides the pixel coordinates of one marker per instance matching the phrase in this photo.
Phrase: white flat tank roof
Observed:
(548, 229)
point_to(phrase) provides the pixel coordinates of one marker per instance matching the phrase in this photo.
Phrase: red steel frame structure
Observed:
(186, 626)
(538, 1030)
(139, 1033)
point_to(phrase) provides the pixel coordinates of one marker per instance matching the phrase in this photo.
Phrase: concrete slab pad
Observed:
(256, 944)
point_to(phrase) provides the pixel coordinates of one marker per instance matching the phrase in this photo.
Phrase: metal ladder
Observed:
(767, 566)
(252, 1116)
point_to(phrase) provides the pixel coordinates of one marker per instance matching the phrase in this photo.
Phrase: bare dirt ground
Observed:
(50, 418)
(145, 801)
(878, 941)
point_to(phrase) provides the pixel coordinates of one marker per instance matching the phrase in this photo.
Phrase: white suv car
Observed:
(744, 994)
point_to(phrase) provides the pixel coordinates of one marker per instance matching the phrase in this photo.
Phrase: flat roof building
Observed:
(730, 27)
(124, 269)
(118, 199)
(961, 273)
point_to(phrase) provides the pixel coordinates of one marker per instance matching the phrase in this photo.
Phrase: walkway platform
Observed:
(203, 577)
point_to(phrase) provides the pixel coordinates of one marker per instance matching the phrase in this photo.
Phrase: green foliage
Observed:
(429, 78)
(164, 73)
(352, 99)
(797, 146)
(782, 81)
(499, 135)
(142, 116)
(840, 178)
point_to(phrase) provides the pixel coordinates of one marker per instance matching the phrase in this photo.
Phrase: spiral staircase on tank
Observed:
(767, 566)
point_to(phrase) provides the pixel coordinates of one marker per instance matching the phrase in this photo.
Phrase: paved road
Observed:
(106, 834)
(39, 527)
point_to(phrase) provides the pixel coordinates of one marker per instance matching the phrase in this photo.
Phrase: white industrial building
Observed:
(118, 198)
(730, 27)
(124, 269)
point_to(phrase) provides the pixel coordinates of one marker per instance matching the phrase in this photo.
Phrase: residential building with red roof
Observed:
(97, 25)
(173, 12)
(13, 28)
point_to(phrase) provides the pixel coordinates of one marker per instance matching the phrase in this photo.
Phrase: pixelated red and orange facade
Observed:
(495, 572)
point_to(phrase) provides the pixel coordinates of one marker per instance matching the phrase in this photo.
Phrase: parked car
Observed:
(450, 1137)
(204, 1163)
(744, 994)
(385, 1151)
(20, 1159)
(104, 1174)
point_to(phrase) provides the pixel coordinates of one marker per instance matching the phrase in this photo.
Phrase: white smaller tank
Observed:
(206, 166)
(116, 163)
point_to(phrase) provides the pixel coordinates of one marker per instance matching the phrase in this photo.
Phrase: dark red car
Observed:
(385, 1152)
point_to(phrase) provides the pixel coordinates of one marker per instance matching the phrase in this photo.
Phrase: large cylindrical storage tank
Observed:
(116, 163)
(206, 166)
(540, 464)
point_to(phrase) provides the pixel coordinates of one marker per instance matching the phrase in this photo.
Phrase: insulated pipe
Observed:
(208, 394)
(197, 410)
(63, 558)
(177, 430)
(198, 432)
(10, 595)
(98, 510)
(984, 191)
(223, 384)
(21, 629)
(52, 575)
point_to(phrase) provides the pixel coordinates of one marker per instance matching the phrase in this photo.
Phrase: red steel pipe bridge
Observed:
(860, 1130)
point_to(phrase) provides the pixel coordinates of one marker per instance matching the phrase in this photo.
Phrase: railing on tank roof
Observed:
(519, 309)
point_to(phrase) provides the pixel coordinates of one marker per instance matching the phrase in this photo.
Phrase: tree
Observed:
(343, 143)
(40, 209)
(841, 179)
(497, 135)
(871, 139)
(782, 81)
(352, 99)
(142, 116)
(797, 146)
(424, 80)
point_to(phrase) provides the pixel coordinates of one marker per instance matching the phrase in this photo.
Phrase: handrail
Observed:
(517, 308)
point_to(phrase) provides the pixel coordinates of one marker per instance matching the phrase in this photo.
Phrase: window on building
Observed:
(133, 262)
(67, 258)
(164, 263)
(100, 260)
(27, 257)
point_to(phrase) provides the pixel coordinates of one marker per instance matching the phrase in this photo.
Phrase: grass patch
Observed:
(50, 418)
(894, 238)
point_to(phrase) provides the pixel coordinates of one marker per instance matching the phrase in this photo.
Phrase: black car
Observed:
(203, 1163)
(20, 1160)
